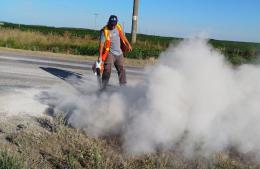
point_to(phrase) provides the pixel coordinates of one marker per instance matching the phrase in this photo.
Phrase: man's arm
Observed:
(100, 50)
(101, 46)
(128, 44)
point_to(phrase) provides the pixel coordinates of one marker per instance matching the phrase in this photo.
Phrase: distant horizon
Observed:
(232, 20)
(127, 32)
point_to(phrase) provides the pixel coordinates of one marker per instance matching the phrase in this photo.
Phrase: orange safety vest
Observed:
(106, 49)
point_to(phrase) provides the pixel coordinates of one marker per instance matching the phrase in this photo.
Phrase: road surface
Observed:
(22, 78)
(41, 72)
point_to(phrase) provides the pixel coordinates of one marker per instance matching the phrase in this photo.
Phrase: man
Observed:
(111, 47)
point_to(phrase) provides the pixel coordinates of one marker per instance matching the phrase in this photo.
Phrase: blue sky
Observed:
(219, 19)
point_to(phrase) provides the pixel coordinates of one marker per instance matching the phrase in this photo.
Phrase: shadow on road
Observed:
(62, 74)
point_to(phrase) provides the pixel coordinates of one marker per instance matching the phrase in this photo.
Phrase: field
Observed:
(85, 42)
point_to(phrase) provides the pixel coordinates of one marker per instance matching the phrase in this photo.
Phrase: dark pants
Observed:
(118, 61)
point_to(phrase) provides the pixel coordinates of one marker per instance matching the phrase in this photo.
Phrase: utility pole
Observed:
(134, 21)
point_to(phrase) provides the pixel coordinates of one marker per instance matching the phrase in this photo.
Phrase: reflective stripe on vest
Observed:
(108, 41)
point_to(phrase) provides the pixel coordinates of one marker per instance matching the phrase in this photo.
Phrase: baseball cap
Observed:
(112, 20)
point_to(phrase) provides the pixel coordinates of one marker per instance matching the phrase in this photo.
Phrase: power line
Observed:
(95, 20)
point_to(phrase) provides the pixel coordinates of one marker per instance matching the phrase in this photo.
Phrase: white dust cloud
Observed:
(192, 101)
(20, 102)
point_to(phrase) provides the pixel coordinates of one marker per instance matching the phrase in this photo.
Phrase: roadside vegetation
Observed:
(85, 42)
(10, 161)
(51, 143)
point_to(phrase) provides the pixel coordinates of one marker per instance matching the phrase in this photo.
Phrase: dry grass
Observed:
(36, 41)
(53, 144)
(29, 37)
(55, 46)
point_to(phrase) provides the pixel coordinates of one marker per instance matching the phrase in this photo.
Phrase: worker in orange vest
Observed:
(112, 46)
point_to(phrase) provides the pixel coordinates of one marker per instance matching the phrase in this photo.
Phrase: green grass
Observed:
(10, 161)
(81, 41)
(238, 52)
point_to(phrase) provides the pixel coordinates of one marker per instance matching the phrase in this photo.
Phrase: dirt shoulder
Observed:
(47, 142)
(20, 52)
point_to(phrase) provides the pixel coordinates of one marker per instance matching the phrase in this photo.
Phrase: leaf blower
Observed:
(98, 68)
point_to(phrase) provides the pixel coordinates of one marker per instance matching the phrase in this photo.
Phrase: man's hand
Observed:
(129, 48)
(100, 59)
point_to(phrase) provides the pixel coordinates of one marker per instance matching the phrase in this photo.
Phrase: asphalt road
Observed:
(43, 72)
(23, 78)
